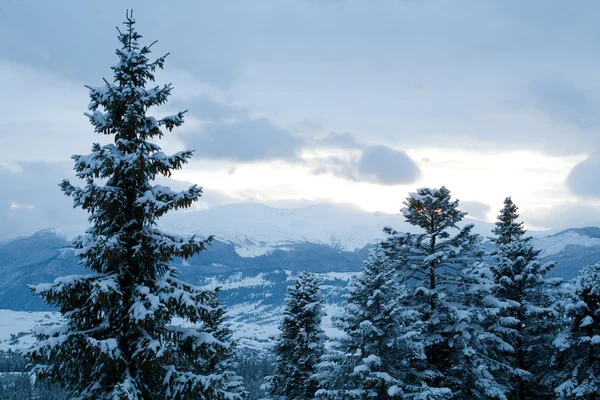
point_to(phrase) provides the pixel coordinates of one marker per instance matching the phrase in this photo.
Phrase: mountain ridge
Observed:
(252, 287)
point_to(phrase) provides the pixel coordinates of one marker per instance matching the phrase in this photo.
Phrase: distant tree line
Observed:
(16, 383)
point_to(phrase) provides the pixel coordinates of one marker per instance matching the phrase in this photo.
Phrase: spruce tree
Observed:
(119, 340)
(577, 358)
(301, 342)
(375, 358)
(450, 288)
(528, 320)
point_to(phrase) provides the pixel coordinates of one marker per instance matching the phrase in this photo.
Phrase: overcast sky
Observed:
(304, 101)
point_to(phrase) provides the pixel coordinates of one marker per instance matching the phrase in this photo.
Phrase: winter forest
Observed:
(440, 312)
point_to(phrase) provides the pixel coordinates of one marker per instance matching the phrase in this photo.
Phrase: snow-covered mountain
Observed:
(255, 229)
(258, 250)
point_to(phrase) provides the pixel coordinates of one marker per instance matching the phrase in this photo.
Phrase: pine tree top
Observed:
(507, 229)
(433, 210)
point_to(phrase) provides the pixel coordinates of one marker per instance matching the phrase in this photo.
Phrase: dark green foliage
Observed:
(16, 384)
(253, 366)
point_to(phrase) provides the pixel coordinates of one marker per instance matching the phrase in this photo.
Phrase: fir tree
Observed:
(301, 343)
(375, 358)
(577, 359)
(450, 288)
(119, 340)
(527, 322)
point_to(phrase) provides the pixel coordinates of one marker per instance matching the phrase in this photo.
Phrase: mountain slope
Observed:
(255, 229)
(253, 287)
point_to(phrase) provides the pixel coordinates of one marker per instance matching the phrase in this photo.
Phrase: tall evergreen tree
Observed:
(450, 288)
(577, 358)
(375, 358)
(528, 322)
(118, 340)
(301, 342)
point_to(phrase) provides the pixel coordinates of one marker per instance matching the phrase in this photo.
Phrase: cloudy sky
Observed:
(307, 101)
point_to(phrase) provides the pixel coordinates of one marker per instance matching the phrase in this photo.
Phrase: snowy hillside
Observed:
(251, 264)
(554, 244)
(254, 321)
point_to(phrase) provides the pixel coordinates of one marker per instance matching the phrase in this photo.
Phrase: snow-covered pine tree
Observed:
(577, 358)
(529, 322)
(222, 363)
(450, 288)
(375, 358)
(301, 342)
(119, 340)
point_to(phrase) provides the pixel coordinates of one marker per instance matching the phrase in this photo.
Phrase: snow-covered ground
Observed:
(253, 323)
(237, 281)
(253, 326)
(554, 244)
(16, 327)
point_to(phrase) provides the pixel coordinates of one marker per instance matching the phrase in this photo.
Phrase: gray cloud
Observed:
(564, 216)
(205, 107)
(31, 199)
(338, 167)
(383, 165)
(339, 140)
(565, 102)
(584, 179)
(476, 209)
(376, 164)
(199, 46)
(507, 87)
(244, 141)
(341, 70)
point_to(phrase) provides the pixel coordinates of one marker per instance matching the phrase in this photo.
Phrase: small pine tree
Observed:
(301, 342)
(527, 323)
(577, 358)
(221, 365)
(450, 288)
(118, 340)
(375, 357)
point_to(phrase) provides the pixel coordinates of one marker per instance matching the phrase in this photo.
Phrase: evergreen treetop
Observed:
(507, 229)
